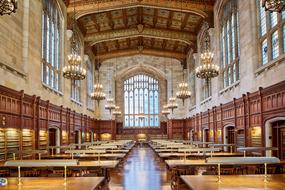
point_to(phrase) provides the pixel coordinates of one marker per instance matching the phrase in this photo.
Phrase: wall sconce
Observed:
(211, 133)
(219, 132)
(3, 121)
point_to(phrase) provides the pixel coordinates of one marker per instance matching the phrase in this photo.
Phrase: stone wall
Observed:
(122, 68)
(20, 60)
(252, 74)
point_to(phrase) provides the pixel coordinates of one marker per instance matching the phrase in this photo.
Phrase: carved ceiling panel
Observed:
(156, 26)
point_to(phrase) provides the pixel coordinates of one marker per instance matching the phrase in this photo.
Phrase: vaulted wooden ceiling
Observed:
(167, 28)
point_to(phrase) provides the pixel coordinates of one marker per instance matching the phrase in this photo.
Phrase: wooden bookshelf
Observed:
(27, 142)
(43, 140)
(12, 139)
(2, 145)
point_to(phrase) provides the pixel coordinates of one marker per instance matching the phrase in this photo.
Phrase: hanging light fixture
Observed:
(183, 92)
(117, 111)
(172, 100)
(165, 111)
(207, 69)
(98, 94)
(8, 6)
(273, 5)
(74, 70)
(110, 101)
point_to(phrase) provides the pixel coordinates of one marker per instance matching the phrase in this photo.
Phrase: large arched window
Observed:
(272, 35)
(141, 97)
(51, 44)
(229, 37)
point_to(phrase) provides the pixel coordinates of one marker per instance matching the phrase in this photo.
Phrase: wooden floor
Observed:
(142, 170)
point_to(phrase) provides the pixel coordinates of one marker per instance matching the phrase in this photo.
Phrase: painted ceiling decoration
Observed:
(113, 28)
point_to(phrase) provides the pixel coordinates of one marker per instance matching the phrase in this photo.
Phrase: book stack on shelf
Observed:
(43, 140)
(2, 145)
(27, 136)
(12, 138)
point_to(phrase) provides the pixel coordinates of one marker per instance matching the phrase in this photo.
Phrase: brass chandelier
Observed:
(98, 93)
(74, 70)
(207, 69)
(110, 104)
(273, 5)
(110, 101)
(8, 6)
(172, 104)
(183, 92)
(165, 111)
(117, 111)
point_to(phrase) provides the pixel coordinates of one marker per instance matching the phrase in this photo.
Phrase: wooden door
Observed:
(230, 135)
(52, 137)
(282, 144)
(76, 137)
(278, 139)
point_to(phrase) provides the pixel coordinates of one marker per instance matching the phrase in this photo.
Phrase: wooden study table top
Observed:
(105, 155)
(175, 163)
(54, 183)
(234, 182)
(110, 164)
(180, 154)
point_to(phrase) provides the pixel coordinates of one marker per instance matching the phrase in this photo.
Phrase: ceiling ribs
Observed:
(155, 15)
(185, 20)
(125, 18)
(110, 20)
(170, 18)
(97, 26)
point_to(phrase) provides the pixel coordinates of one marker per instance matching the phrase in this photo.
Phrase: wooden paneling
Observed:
(25, 119)
(247, 114)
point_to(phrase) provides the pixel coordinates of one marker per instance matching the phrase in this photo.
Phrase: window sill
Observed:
(192, 108)
(13, 70)
(228, 88)
(76, 102)
(206, 100)
(90, 109)
(269, 65)
(52, 90)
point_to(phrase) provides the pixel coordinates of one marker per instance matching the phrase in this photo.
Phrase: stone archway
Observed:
(268, 132)
(229, 135)
(54, 137)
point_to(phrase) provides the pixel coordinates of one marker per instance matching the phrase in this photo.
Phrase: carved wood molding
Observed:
(90, 7)
(185, 37)
(130, 52)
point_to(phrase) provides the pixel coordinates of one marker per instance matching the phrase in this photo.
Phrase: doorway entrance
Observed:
(229, 135)
(54, 138)
(278, 139)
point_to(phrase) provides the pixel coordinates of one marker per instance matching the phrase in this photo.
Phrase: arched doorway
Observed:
(77, 137)
(229, 135)
(275, 136)
(54, 137)
(205, 135)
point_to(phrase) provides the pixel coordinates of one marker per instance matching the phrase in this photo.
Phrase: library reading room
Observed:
(142, 94)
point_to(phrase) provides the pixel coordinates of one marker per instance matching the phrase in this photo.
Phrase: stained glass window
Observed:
(52, 43)
(141, 96)
(229, 37)
(271, 27)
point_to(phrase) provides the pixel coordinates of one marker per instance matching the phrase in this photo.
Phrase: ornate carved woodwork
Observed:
(247, 115)
(169, 26)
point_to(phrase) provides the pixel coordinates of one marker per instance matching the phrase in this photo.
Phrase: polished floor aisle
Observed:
(142, 170)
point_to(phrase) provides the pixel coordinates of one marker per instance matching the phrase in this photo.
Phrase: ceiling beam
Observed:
(145, 51)
(97, 37)
(155, 15)
(88, 7)
(170, 17)
(184, 22)
(97, 26)
(125, 17)
(110, 20)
